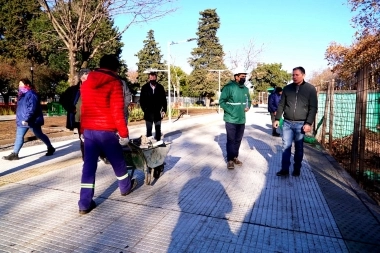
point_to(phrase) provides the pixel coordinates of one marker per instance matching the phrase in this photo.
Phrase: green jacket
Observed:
(233, 100)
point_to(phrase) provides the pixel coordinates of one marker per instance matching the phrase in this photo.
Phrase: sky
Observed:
(292, 32)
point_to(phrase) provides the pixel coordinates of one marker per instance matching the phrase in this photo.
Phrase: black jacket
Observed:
(67, 102)
(153, 103)
(298, 103)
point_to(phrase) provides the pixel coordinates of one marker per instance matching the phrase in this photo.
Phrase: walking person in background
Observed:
(127, 94)
(154, 105)
(235, 101)
(104, 129)
(273, 101)
(299, 104)
(71, 102)
(28, 115)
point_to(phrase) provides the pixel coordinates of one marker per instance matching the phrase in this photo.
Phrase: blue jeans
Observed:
(235, 134)
(95, 143)
(292, 131)
(20, 133)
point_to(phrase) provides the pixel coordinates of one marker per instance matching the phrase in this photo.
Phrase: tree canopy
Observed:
(178, 78)
(15, 36)
(367, 14)
(78, 23)
(269, 75)
(365, 50)
(16, 48)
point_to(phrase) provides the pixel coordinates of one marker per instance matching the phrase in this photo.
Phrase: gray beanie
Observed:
(83, 72)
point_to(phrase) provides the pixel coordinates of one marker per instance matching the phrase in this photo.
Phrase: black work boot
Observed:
(296, 172)
(274, 133)
(50, 151)
(282, 173)
(11, 157)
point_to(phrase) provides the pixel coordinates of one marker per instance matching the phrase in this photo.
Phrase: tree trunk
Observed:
(85, 57)
(72, 60)
(208, 100)
(178, 91)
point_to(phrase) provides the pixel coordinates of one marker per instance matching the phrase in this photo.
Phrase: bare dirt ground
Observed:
(55, 127)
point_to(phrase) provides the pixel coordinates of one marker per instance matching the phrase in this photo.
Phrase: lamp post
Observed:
(219, 71)
(31, 71)
(169, 95)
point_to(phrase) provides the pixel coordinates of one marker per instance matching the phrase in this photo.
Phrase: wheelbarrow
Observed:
(150, 160)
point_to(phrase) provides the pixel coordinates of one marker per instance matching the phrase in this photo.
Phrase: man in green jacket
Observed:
(235, 101)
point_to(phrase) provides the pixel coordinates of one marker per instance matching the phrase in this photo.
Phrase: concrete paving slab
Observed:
(196, 206)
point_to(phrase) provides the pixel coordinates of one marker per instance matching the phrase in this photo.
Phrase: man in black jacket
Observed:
(154, 105)
(70, 100)
(299, 104)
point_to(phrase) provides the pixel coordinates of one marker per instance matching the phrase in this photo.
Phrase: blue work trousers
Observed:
(95, 143)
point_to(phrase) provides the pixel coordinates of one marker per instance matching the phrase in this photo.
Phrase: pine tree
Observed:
(208, 55)
(15, 37)
(150, 57)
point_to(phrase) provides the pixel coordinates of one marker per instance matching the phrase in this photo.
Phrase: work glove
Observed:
(123, 141)
(24, 123)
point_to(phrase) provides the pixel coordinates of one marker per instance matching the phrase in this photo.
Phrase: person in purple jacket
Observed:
(28, 115)
(273, 101)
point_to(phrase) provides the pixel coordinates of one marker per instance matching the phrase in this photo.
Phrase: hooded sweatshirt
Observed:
(103, 103)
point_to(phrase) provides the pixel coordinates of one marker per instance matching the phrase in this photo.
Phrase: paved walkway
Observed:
(7, 117)
(196, 206)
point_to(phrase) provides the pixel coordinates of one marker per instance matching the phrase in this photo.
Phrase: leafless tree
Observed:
(245, 57)
(322, 78)
(78, 21)
(132, 76)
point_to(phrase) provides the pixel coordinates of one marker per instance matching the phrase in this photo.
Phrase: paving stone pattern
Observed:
(196, 206)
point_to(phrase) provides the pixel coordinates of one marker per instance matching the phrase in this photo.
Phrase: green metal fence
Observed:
(344, 112)
(55, 109)
(351, 129)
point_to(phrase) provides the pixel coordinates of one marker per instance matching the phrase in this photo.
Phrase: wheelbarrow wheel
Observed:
(148, 178)
(158, 171)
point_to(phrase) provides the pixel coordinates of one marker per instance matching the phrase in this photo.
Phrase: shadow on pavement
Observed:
(221, 139)
(61, 151)
(210, 221)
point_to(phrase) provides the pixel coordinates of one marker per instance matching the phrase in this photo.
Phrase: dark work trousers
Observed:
(157, 127)
(273, 119)
(235, 134)
(96, 142)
